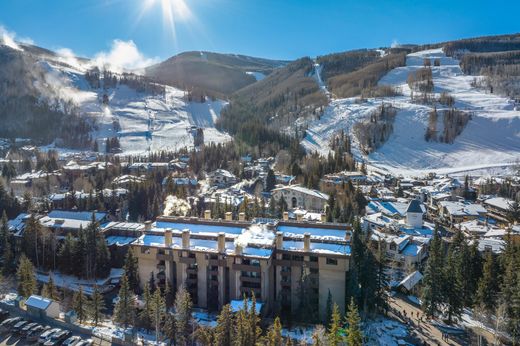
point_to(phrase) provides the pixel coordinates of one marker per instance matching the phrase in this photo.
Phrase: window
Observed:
(286, 257)
(294, 202)
(332, 261)
(297, 258)
(313, 258)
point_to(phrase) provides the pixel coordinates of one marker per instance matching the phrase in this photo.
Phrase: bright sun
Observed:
(173, 11)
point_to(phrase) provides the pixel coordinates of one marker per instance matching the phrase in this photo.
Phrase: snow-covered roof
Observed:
(499, 203)
(411, 280)
(304, 190)
(38, 302)
(463, 209)
(70, 219)
(318, 247)
(316, 232)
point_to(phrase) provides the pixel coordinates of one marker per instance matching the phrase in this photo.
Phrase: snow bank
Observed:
(176, 206)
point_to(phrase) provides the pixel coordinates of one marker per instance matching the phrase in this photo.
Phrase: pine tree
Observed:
(254, 322)
(270, 181)
(432, 280)
(328, 309)
(169, 328)
(102, 266)
(334, 338)
(7, 255)
(146, 313)
(97, 306)
(49, 290)
(124, 311)
(224, 328)
(487, 286)
(81, 306)
(157, 312)
(132, 271)
(354, 333)
(26, 277)
(183, 322)
(205, 336)
(452, 286)
(274, 335)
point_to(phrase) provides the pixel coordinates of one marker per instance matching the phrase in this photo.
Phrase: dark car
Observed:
(27, 328)
(3, 314)
(58, 338)
(6, 324)
(34, 334)
(18, 326)
(47, 335)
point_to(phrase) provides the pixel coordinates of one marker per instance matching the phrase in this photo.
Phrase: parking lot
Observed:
(17, 329)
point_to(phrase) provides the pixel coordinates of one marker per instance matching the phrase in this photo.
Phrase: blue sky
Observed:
(267, 28)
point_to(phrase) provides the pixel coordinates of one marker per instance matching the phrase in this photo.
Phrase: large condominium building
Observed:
(220, 261)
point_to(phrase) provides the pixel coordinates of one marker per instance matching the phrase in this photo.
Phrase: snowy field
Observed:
(490, 140)
(147, 122)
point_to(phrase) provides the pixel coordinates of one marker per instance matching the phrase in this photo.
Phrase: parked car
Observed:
(15, 329)
(6, 324)
(35, 333)
(47, 335)
(72, 341)
(58, 338)
(4, 314)
(87, 342)
(27, 328)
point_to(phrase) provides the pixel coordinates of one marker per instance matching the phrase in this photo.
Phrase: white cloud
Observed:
(395, 44)
(8, 38)
(123, 55)
(68, 57)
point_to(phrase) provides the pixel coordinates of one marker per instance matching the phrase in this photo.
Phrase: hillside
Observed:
(212, 73)
(49, 101)
(490, 138)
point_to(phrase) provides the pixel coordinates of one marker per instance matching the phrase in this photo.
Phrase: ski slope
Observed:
(147, 122)
(491, 139)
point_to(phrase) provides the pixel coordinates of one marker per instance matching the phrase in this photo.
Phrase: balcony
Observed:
(187, 260)
(164, 257)
(250, 279)
(247, 268)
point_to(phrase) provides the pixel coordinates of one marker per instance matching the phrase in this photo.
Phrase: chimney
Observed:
(185, 239)
(168, 238)
(242, 217)
(323, 217)
(147, 226)
(279, 240)
(299, 217)
(207, 214)
(229, 216)
(307, 242)
(286, 216)
(238, 249)
(221, 242)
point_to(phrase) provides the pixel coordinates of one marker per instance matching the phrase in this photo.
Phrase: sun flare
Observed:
(173, 11)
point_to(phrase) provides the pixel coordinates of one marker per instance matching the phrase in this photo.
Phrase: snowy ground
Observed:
(490, 140)
(148, 122)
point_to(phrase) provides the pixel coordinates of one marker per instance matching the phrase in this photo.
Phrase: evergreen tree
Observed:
(328, 309)
(432, 280)
(132, 271)
(334, 337)
(452, 286)
(183, 322)
(354, 333)
(270, 181)
(224, 328)
(169, 328)
(81, 306)
(274, 335)
(254, 322)
(102, 266)
(26, 277)
(97, 306)
(158, 312)
(6, 251)
(124, 311)
(488, 286)
(49, 290)
(205, 335)
(146, 313)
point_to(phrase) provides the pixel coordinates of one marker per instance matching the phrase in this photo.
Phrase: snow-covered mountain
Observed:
(490, 139)
(142, 120)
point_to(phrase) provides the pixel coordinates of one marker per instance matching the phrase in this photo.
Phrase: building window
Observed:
(332, 261)
(313, 258)
(297, 258)
(294, 202)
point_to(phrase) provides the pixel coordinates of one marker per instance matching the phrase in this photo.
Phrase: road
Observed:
(423, 330)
